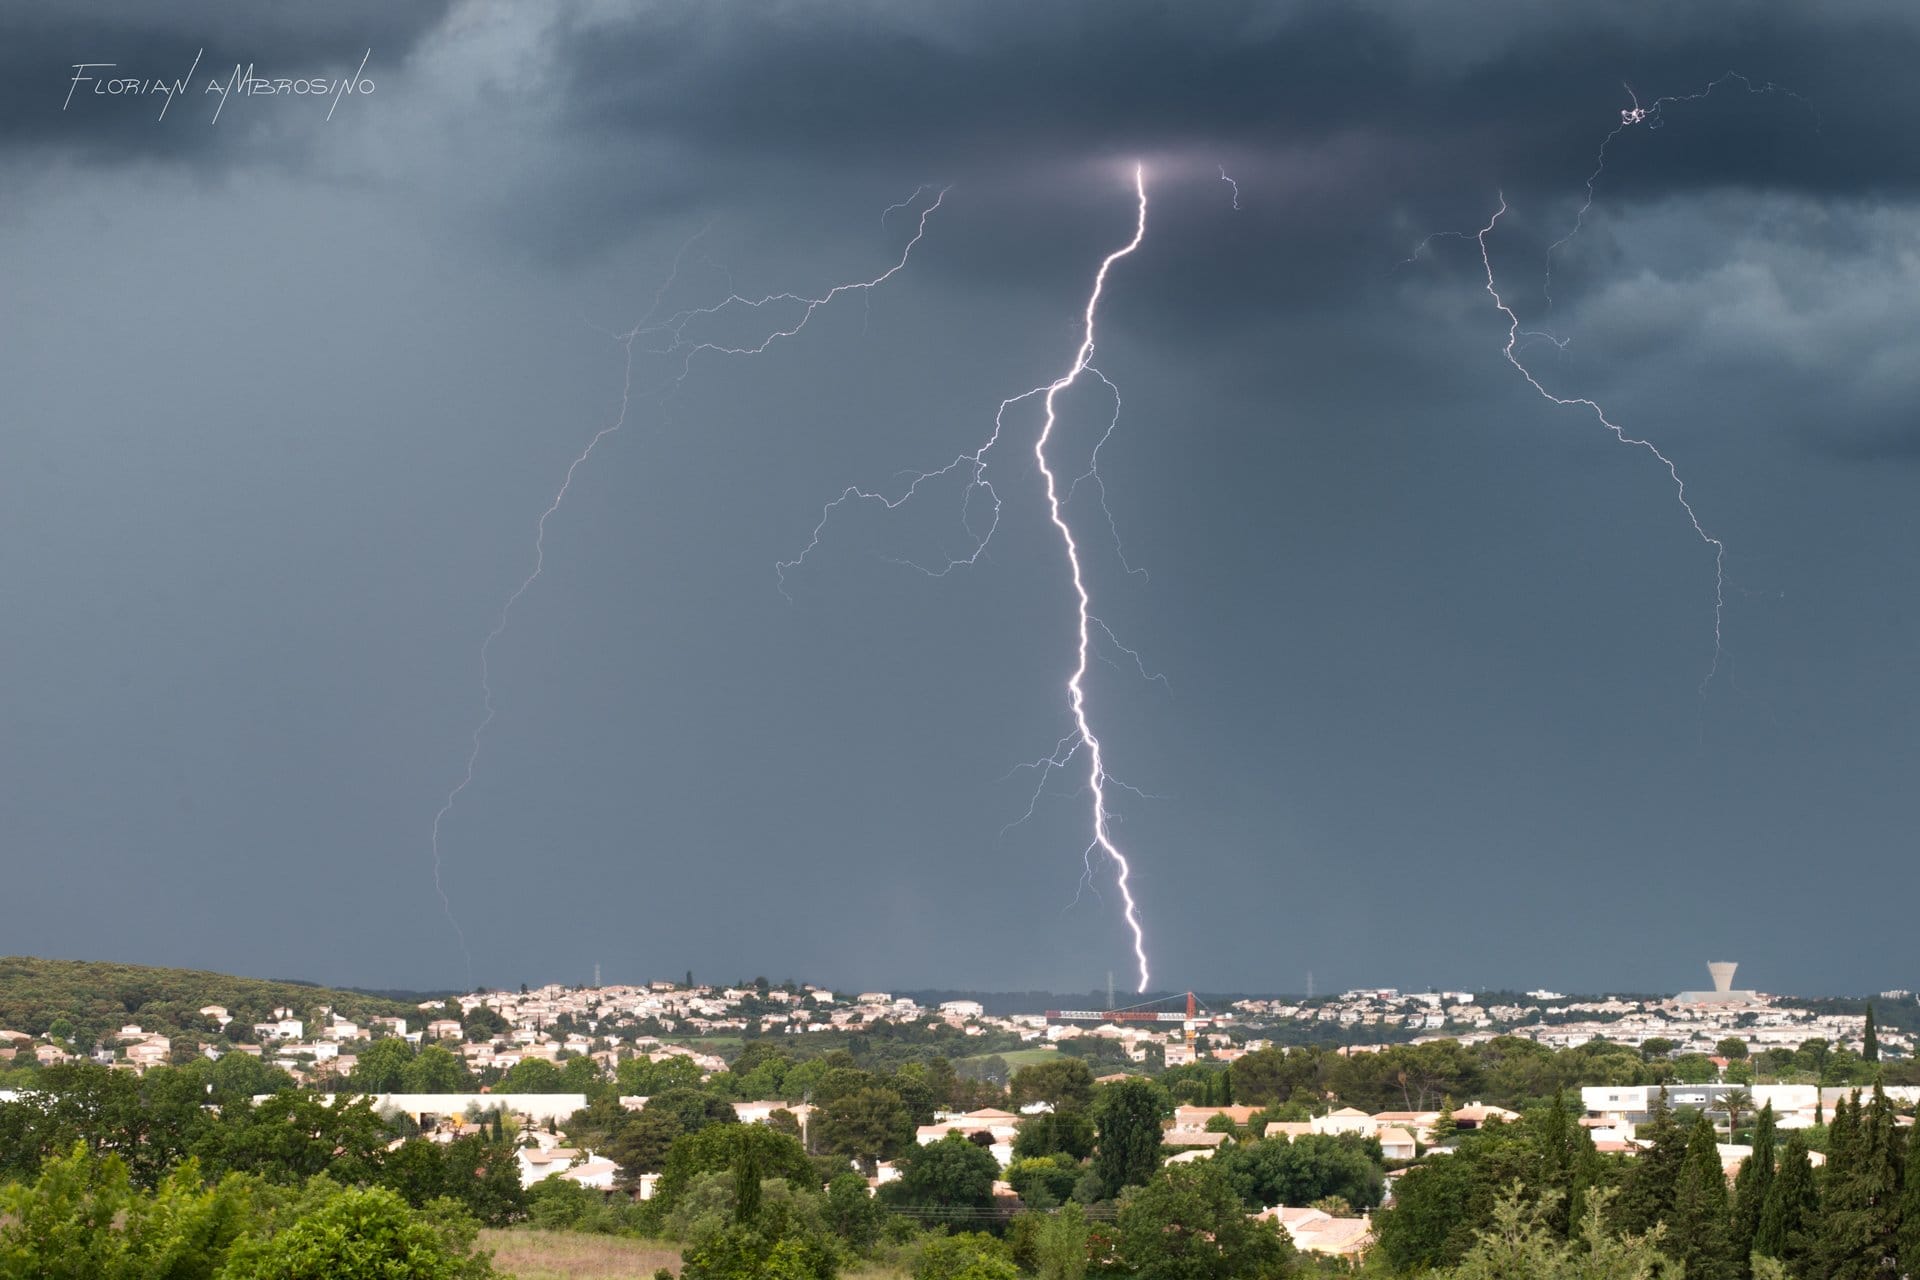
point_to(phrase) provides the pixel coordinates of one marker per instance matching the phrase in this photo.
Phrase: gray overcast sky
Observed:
(284, 396)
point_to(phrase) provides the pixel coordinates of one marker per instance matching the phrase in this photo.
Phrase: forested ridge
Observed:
(97, 998)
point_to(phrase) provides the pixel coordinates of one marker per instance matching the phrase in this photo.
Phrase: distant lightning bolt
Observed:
(674, 328)
(1652, 116)
(1680, 486)
(1231, 183)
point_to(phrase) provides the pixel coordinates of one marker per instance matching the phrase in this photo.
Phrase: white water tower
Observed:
(1722, 971)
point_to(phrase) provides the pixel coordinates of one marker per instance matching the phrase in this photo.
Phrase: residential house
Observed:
(1314, 1231)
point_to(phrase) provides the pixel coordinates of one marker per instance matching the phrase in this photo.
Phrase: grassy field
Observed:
(564, 1255)
(1015, 1058)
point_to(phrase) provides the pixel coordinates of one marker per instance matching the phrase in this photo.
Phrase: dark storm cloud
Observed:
(1894, 444)
(42, 44)
(1498, 91)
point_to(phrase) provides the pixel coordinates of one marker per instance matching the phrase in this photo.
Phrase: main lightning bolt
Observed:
(1076, 693)
(972, 466)
(674, 328)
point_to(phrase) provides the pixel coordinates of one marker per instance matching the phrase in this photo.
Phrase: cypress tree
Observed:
(1552, 1129)
(1907, 1240)
(746, 1184)
(1870, 1050)
(1791, 1209)
(1859, 1208)
(1647, 1198)
(1698, 1232)
(1750, 1189)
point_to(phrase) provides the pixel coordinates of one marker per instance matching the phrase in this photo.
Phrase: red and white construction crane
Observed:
(1190, 1021)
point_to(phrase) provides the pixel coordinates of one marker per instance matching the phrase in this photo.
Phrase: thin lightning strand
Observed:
(675, 326)
(1076, 692)
(506, 611)
(1231, 183)
(1680, 486)
(1099, 482)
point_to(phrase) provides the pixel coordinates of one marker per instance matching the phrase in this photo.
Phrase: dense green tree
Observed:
(951, 1174)
(362, 1234)
(644, 1078)
(1871, 1037)
(475, 1171)
(82, 1218)
(1269, 1076)
(968, 1256)
(708, 1206)
(1792, 1208)
(1520, 1243)
(1647, 1197)
(381, 1067)
(532, 1075)
(1907, 1240)
(751, 1253)
(1060, 1251)
(1056, 1133)
(724, 1149)
(868, 1124)
(436, 1069)
(851, 1212)
(1569, 1165)
(292, 1136)
(694, 1109)
(1694, 1068)
(483, 1023)
(1750, 1188)
(1698, 1223)
(640, 1145)
(559, 1204)
(1733, 1048)
(841, 1078)
(1066, 1084)
(1859, 1222)
(746, 1184)
(149, 1122)
(581, 1074)
(1308, 1168)
(1188, 1223)
(1042, 1182)
(1127, 1116)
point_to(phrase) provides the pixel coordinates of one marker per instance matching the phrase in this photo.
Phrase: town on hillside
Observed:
(530, 1064)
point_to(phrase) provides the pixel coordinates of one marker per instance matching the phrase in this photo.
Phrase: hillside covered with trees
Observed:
(82, 1000)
